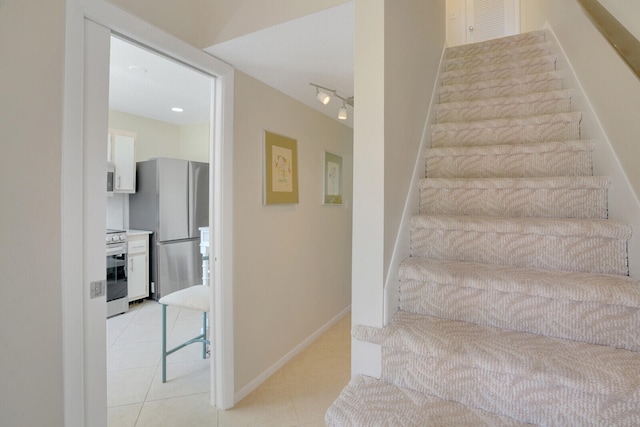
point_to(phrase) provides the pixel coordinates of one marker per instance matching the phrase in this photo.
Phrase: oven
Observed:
(117, 287)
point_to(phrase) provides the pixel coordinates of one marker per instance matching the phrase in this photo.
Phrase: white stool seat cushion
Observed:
(195, 297)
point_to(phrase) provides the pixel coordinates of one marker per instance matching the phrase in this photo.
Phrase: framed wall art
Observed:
(332, 186)
(280, 169)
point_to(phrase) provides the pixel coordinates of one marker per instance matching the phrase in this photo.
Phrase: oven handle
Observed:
(119, 249)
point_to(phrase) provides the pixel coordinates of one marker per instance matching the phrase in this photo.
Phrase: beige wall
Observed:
(160, 139)
(231, 19)
(204, 23)
(533, 14)
(185, 19)
(31, 87)
(398, 51)
(292, 262)
(627, 12)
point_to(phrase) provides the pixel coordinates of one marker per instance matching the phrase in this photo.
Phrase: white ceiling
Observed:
(149, 85)
(316, 48)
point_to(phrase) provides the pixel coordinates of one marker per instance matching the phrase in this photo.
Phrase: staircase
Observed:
(516, 307)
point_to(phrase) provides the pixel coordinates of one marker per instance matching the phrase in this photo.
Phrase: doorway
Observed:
(85, 350)
(158, 109)
(472, 21)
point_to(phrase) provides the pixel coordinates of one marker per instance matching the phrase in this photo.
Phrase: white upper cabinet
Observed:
(122, 154)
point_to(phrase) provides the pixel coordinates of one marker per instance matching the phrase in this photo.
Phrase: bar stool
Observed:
(195, 297)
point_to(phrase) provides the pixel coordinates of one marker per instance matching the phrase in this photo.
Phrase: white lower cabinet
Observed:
(138, 266)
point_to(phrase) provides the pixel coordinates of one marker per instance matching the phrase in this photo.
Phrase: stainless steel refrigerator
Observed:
(172, 201)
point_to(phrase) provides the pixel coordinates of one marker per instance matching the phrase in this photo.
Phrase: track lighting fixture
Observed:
(323, 95)
(342, 114)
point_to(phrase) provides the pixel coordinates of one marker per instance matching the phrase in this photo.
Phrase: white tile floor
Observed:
(296, 395)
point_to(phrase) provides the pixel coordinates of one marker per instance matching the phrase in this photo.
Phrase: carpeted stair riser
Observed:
(527, 377)
(569, 158)
(533, 66)
(367, 402)
(545, 128)
(595, 246)
(513, 86)
(507, 107)
(503, 44)
(579, 321)
(593, 308)
(561, 197)
(472, 62)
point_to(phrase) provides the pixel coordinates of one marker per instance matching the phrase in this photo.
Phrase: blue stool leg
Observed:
(164, 343)
(204, 334)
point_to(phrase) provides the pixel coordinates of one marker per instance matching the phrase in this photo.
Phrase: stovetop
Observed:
(115, 236)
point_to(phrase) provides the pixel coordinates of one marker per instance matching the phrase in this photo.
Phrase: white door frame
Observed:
(83, 230)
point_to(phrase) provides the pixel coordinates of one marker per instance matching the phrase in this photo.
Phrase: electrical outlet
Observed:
(97, 288)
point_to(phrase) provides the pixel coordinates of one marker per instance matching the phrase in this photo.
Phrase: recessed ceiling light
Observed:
(177, 109)
(137, 69)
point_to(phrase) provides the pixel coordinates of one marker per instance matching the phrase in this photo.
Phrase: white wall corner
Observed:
(402, 245)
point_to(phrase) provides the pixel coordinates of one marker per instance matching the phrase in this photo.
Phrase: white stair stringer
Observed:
(528, 377)
(592, 308)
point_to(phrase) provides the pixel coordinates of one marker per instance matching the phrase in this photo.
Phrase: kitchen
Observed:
(157, 207)
(158, 109)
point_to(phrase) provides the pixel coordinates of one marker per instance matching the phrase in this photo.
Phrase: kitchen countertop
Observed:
(138, 232)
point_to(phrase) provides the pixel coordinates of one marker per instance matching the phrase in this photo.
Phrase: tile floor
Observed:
(296, 395)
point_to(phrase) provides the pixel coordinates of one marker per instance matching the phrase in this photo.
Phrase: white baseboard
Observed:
(244, 391)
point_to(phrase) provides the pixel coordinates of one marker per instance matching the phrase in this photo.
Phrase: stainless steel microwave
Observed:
(111, 173)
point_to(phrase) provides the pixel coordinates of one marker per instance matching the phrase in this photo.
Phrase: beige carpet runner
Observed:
(516, 307)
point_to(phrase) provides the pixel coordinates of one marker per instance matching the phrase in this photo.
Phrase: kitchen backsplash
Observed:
(118, 211)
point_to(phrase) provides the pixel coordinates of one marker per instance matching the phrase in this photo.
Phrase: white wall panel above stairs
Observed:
(515, 305)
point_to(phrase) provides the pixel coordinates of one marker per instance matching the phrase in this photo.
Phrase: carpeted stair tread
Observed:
(500, 71)
(511, 86)
(578, 286)
(553, 197)
(495, 45)
(589, 245)
(505, 107)
(594, 308)
(562, 182)
(497, 57)
(564, 158)
(605, 229)
(528, 377)
(543, 128)
(367, 402)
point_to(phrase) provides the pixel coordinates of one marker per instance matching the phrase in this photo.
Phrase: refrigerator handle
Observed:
(191, 205)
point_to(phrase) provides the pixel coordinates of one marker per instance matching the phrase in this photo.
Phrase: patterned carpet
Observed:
(516, 306)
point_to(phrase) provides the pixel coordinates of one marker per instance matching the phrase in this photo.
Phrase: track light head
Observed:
(323, 96)
(342, 114)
